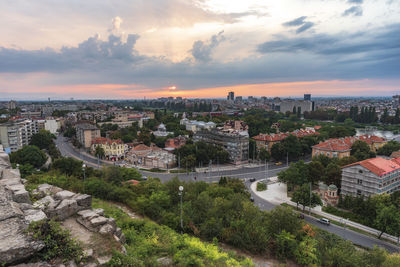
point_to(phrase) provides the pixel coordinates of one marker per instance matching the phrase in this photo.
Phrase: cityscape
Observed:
(200, 133)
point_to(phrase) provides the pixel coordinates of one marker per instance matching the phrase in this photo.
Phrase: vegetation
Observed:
(200, 153)
(58, 242)
(148, 241)
(261, 186)
(29, 155)
(293, 147)
(389, 148)
(45, 141)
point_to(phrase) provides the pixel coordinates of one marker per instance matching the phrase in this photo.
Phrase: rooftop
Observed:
(379, 166)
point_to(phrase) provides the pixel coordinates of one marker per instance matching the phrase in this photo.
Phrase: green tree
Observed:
(333, 174)
(43, 139)
(306, 253)
(263, 155)
(99, 152)
(316, 171)
(68, 166)
(389, 148)
(188, 162)
(361, 150)
(388, 220)
(296, 174)
(286, 245)
(302, 196)
(29, 155)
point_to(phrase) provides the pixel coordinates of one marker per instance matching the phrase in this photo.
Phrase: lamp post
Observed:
(180, 194)
(84, 171)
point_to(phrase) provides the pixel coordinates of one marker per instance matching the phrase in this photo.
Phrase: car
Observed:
(301, 215)
(278, 163)
(252, 180)
(144, 178)
(251, 199)
(324, 221)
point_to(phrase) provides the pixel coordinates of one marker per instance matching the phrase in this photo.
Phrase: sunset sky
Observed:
(129, 49)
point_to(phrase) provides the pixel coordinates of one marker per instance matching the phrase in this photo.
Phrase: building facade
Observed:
(370, 177)
(341, 147)
(16, 134)
(86, 133)
(235, 142)
(113, 149)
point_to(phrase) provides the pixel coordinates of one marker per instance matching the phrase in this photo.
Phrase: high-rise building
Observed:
(307, 97)
(12, 105)
(15, 135)
(396, 101)
(231, 96)
(86, 133)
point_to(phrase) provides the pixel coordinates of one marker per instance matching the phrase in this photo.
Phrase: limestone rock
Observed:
(25, 206)
(33, 215)
(63, 195)
(106, 229)
(118, 232)
(83, 200)
(65, 209)
(100, 212)
(97, 221)
(103, 260)
(44, 202)
(165, 261)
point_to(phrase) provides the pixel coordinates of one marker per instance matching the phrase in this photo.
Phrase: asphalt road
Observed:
(244, 173)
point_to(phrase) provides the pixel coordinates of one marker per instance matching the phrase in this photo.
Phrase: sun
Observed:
(172, 88)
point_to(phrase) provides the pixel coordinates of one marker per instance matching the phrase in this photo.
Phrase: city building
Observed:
(396, 101)
(151, 157)
(16, 134)
(233, 137)
(289, 105)
(307, 97)
(52, 126)
(328, 194)
(86, 133)
(231, 96)
(12, 105)
(162, 131)
(268, 140)
(174, 143)
(196, 126)
(370, 177)
(341, 147)
(113, 149)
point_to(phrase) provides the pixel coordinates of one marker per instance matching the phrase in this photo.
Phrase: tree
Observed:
(188, 162)
(263, 154)
(286, 245)
(315, 170)
(43, 139)
(333, 174)
(99, 152)
(29, 155)
(361, 150)
(68, 166)
(388, 220)
(296, 174)
(278, 151)
(306, 253)
(302, 196)
(389, 148)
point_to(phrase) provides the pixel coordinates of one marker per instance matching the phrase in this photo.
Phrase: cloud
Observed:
(116, 23)
(301, 23)
(202, 51)
(296, 22)
(354, 11)
(355, 1)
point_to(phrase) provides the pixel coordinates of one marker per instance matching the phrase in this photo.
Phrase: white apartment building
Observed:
(15, 135)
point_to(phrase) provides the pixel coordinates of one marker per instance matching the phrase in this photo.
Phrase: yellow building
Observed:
(113, 149)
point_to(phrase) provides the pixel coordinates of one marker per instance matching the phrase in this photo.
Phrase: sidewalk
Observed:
(276, 193)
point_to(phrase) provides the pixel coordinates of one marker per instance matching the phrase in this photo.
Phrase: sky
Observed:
(135, 49)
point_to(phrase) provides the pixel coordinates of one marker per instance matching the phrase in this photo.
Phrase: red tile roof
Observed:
(379, 166)
(344, 144)
(141, 147)
(103, 140)
(280, 136)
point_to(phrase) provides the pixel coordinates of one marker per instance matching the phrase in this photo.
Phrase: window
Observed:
(358, 192)
(359, 181)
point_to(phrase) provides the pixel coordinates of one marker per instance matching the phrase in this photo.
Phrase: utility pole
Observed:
(309, 210)
(287, 159)
(180, 194)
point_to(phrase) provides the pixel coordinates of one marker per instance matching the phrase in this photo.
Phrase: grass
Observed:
(177, 171)
(157, 170)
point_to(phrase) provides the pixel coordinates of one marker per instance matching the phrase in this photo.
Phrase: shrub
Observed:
(58, 242)
(261, 186)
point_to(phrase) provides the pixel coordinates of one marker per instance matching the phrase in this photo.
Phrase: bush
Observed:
(58, 242)
(261, 186)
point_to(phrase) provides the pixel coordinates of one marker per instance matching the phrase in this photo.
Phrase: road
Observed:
(244, 173)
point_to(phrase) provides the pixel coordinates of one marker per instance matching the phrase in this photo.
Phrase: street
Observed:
(256, 172)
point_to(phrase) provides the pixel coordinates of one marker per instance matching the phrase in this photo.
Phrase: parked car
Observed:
(144, 178)
(251, 199)
(324, 221)
(301, 215)
(252, 180)
(278, 163)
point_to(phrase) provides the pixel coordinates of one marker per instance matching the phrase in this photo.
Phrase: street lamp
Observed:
(84, 171)
(180, 194)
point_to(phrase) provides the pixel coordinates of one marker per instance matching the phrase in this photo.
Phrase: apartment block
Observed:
(16, 134)
(86, 133)
(370, 177)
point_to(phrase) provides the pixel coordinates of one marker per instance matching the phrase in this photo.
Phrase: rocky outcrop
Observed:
(15, 215)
